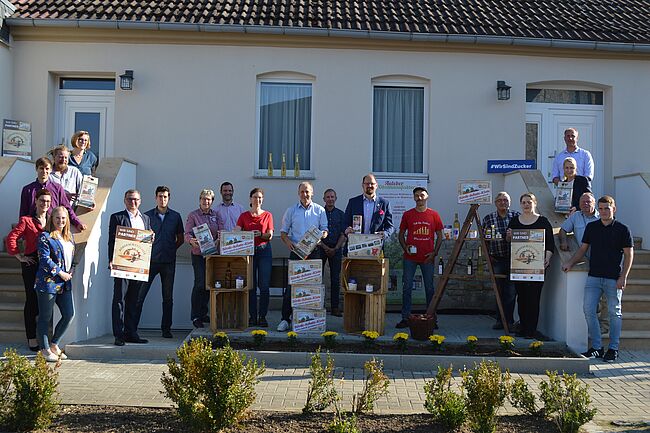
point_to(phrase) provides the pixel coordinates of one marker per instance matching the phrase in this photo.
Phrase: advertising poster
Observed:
(309, 320)
(563, 197)
(88, 191)
(399, 192)
(305, 271)
(237, 243)
(474, 192)
(527, 255)
(362, 245)
(204, 238)
(132, 253)
(307, 296)
(308, 242)
(16, 139)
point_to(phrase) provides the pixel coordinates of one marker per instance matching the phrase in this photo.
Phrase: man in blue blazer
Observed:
(375, 212)
(125, 292)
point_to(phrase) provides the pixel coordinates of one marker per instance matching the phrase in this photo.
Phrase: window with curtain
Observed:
(398, 129)
(285, 125)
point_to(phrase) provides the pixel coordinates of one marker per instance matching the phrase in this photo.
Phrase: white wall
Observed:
(20, 174)
(6, 82)
(632, 193)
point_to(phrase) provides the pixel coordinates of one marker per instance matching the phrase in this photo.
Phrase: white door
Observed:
(90, 111)
(553, 119)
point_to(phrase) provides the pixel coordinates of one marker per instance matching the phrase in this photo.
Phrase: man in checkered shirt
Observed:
(499, 251)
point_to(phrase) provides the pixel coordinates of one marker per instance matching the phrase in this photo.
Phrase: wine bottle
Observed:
(270, 165)
(228, 278)
(441, 266)
(283, 168)
(479, 266)
(469, 266)
(456, 230)
(296, 167)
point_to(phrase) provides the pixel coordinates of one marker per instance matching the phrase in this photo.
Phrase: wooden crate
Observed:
(363, 311)
(215, 270)
(365, 271)
(228, 310)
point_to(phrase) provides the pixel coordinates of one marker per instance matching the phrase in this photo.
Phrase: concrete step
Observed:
(641, 271)
(637, 286)
(8, 261)
(641, 257)
(636, 321)
(632, 340)
(11, 312)
(636, 303)
(12, 332)
(12, 276)
(12, 293)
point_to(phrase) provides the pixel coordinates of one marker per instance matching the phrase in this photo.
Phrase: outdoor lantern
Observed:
(126, 80)
(503, 91)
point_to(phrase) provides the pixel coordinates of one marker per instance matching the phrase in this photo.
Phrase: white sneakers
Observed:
(283, 326)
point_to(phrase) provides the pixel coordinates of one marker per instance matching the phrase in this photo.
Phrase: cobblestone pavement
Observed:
(619, 391)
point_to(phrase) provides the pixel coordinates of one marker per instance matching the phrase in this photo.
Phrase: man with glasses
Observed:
(375, 211)
(124, 309)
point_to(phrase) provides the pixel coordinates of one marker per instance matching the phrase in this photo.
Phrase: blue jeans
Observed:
(506, 288)
(167, 272)
(407, 284)
(200, 295)
(594, 289)
(335, 275)
(262, 267)
(46, 303)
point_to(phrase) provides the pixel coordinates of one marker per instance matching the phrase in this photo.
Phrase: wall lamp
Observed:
(126, 80)
(503, 91)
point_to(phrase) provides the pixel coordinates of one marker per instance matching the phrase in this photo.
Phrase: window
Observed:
(87, 83)
(284, 125)
(560, 96)
(398, 129)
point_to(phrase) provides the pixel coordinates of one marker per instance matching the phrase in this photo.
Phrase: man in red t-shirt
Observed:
(419, 228)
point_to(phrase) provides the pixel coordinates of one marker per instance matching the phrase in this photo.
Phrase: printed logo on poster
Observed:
(305, 272)
(474, 192)
(309, 320)
(237, 243)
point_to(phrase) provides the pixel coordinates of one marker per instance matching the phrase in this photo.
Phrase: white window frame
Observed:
(413, 82)
(263, 172)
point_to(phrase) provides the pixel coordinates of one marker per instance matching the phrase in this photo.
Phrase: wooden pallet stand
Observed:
(363, 311)
(228, 306)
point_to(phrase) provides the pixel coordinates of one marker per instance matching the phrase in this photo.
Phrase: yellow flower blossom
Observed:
(370, 335)
(536, 345)
(472, 339)
(506, 339)
(401, 336)
(330, 334)
(435, 338)
(220, 334)
(260, 332)
(292, 334)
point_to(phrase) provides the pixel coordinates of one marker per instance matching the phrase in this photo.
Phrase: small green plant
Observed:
(471, 342)
(566, 401)
(486, 388)
(329, 338)
(321, 392)
(522, 398)
(28, 391)
(436, 341)
(221, 339)
(259, 337)
(375, 385)
(400, 340)
(446, 406)
(507, 343)
(536, 347)
(369, 337)
(292, 339)
(212, 390)
(343, 423)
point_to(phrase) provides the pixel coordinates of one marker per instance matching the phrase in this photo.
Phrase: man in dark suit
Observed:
(125, 292)
(375, 212)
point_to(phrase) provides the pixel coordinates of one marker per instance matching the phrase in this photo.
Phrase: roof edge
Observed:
(622, 47)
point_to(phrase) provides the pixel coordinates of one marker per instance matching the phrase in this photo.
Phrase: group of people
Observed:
(46, 215)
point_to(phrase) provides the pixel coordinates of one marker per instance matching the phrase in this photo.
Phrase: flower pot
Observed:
(421, 326)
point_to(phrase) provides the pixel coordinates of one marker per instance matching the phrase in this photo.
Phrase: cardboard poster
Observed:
(16, 139)
(237, 243)
(563, 197)
(527, 255)
(204, 238)
(309, 320)
(305, 271)
(88, 191)
(474, 191)
(366, 246)
(308, 242)
(308, 296)
(132, 253)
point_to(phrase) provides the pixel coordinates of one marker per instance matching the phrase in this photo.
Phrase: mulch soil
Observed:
(114, 419)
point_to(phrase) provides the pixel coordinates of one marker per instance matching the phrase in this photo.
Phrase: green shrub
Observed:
(28, 391)
(212, 390)
(321, 392)
(522, 398)
(566, 401)
(446, 406)
(375, 385)
(486, 388)
(343, 424)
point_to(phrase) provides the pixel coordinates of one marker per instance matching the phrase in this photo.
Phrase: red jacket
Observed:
(28, 228)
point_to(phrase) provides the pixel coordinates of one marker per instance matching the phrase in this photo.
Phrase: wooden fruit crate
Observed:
(365, 271)
(228, 310)
(363, 312)
(216, 266)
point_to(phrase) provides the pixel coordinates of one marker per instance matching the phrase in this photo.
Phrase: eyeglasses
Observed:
(369, 183)
(132, 199)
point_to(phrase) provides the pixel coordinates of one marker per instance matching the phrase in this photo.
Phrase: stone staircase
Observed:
(12, 300)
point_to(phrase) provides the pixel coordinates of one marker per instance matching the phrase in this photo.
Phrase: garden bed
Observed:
(99, 419)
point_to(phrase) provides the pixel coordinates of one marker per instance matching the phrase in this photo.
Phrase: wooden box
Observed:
(363, 312)
(309, 321)
(216, 267)
(308, 296)
(228, 310)
(365, 271)
(305, 271)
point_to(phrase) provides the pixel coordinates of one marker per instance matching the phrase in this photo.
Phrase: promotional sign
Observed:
(508, 165)
(132, 253)
(309, 320)
(563, 197)
(527, 255)
(305, 271)
(204, 238)
(88, 191)
(236, 243)
(306, 245)
(16, 139)
(399, 192)
(364, 246)
(474, 192)
(308, 296)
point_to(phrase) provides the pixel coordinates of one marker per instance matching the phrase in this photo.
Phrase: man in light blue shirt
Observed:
(585, 163)
(577, 222)
(296, 221)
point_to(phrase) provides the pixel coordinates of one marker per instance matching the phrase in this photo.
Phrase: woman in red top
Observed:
(28, 229)
(260, 222)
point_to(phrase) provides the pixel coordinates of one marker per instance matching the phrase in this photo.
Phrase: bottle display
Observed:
(441, 266)
(296, 167)
(488, 233)
(269, 165)
(456, 229)
(283, 168)
(469, 266)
